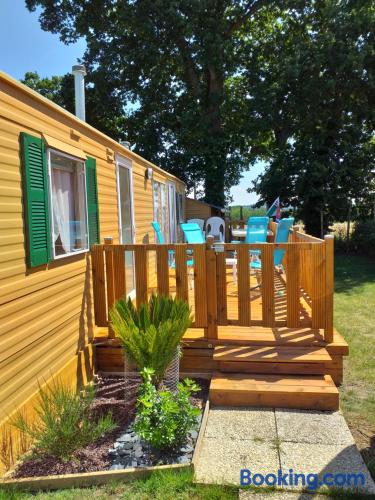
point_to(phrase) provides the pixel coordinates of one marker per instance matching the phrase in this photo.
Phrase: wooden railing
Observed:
(219, 285)
(319, 286)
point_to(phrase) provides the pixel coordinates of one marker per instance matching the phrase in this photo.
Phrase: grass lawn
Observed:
(159, 486)
(355, 320)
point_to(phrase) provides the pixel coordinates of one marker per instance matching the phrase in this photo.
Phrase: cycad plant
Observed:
(151, 335)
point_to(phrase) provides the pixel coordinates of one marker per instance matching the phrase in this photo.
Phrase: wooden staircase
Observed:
(273, 376)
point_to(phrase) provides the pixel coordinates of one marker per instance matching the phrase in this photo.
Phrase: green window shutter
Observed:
(36, 200)
(92, 201)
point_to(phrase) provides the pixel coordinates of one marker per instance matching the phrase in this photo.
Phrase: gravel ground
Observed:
(110, 396)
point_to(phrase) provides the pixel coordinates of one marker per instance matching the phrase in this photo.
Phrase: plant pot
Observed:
(172, 373)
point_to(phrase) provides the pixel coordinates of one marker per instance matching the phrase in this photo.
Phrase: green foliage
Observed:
(104, 107)
(215, 86)
(151, 335)
(173, 61)
(247, 211)
(354, 319)
(63, 422)
(312, 76)
(168, 484)
(363, 238)
(164, 418)
(47, 87)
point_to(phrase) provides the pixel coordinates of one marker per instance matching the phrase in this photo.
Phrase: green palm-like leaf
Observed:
(151, 335)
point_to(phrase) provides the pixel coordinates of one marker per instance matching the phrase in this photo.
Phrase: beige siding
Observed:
(197, 210)
(46, 312)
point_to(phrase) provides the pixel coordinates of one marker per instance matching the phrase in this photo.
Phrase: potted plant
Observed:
(151, 336)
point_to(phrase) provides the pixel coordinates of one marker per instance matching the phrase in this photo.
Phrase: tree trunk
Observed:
(311, 216)
(215, 164)
(348, 225)
(214, 141)
(214, 187)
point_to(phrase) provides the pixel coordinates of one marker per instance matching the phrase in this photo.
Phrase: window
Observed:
(125, 202)
(180, 207)
(172, 212)
(180, 215)
(68, 204)
(161, 207)
(60, 195)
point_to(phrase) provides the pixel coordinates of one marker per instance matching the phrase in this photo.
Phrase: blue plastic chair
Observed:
(160, 238)
(159, 234)
(256, 231)
(282, 235)
(192, 232)
(257, 228)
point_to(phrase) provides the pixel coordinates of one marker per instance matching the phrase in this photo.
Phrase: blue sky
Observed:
(24, 46)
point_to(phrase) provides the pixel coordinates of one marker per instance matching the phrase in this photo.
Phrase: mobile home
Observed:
(64, 186)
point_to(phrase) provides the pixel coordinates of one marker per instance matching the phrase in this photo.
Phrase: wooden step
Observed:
(273, 359)
(271, 354)
(314, 392)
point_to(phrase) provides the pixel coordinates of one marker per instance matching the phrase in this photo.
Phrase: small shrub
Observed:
(164, 418)
(63, 422)
(151, 336)
(363, 237)
(6, 448)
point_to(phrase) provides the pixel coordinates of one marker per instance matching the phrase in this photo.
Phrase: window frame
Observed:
(172, 214)
(123, 162)
(161, 185)
(49, 169)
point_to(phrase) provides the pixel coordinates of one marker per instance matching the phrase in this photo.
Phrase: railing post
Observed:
(211, 289)
(329, 286)
(141, 275)
(182, 290)
(200, 284)
(98, 285)
(294, 234)
(110, 281)
(293, 286)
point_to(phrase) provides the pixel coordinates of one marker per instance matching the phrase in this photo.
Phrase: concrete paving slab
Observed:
(279, 495)
(242, 423)
(302, 426)
(221, 460)
(309, 458)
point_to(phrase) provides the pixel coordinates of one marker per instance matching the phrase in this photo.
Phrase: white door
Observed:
(126, 216)
(172, 212)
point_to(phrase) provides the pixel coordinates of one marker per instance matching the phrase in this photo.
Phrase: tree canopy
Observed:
(216, 85)
(104, 108)
(174, 61)
(312, 77)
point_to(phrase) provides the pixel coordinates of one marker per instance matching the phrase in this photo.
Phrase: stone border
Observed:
(86, 479)
(202, 429)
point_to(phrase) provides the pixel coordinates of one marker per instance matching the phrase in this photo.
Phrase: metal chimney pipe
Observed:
(126, 144)
(79, 72)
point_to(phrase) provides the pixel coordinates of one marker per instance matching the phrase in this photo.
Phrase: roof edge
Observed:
(47, 102)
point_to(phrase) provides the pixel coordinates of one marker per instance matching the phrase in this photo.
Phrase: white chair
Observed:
(215, 226)
(200, 222)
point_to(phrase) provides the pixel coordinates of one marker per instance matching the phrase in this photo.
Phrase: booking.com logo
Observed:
(310, 481)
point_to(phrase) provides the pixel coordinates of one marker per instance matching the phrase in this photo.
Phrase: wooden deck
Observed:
(255, 298)
(263, 337)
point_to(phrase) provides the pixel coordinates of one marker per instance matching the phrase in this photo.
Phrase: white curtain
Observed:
(63, 207)
(80, 236)
(164, 211)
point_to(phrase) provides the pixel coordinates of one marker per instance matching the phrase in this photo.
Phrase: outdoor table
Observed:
(241, 233)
